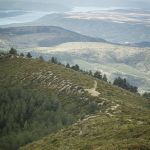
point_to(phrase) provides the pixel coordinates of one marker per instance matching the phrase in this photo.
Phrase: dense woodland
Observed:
(27, 115)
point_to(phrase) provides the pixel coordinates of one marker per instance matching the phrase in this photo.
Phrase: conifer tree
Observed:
(29, 55)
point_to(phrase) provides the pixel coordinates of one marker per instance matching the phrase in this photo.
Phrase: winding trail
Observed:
(93, 91)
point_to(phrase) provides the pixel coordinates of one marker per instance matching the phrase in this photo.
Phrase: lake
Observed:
(19, 16)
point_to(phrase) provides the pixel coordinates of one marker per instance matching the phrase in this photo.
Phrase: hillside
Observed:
(99, 132)
(40, 36)
(38, 98)
(132, 63)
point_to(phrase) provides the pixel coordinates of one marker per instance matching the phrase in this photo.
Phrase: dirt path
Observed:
(93, 91)
(95, 85)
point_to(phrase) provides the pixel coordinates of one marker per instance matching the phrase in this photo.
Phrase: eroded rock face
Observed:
(49, 79)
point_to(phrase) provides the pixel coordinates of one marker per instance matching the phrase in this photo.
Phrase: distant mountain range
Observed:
(40, 36)
(117, 26)
(141, 44)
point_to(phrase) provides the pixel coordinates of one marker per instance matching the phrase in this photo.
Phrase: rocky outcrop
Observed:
(50, 80)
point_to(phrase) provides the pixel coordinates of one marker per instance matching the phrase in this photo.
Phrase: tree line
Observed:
(13, 51)
(76, 67)
(120, 82)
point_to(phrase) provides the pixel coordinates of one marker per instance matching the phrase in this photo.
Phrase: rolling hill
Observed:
(116, 26)
(132, 63)
(78, 111)
(90, 53)
(40, 36)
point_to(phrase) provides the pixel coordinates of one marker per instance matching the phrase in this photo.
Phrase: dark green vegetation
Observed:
(29, 55)
(125, 85)
(26, 114)
(13, 51)
(146, 95)
(39, 98)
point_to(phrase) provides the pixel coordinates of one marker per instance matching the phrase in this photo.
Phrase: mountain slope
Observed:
(40, 36)
(100, 132)
(132, 63)
(37, 98)
(43, 98)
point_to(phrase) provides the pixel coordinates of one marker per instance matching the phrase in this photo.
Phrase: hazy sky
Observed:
(63, 5)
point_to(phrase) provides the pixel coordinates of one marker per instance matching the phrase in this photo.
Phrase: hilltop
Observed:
(39, 98)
